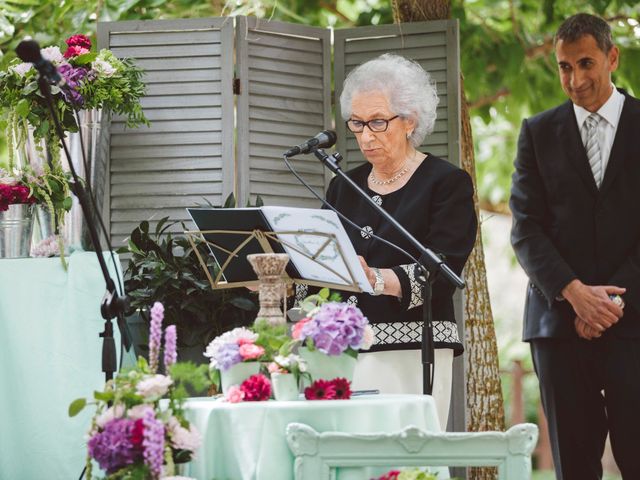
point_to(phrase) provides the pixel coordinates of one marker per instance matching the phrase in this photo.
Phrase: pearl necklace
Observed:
(395, 178)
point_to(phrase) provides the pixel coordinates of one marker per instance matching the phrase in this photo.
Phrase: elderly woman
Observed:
(389, 104)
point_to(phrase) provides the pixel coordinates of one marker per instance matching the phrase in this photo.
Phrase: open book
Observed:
(320, 251)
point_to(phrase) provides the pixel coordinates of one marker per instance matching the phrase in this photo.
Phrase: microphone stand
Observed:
(429, 266)
(112, 305)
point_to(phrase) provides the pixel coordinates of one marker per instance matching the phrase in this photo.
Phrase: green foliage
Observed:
(164, 267)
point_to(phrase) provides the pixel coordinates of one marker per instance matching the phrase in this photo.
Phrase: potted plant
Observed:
(164, 267)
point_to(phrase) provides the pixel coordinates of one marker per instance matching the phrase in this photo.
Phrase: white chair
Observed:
(318, 456)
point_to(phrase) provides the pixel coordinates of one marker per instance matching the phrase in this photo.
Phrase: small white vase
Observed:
(285, 386)
(238, 374)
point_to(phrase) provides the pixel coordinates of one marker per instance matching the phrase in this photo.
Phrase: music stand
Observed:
(319, 249)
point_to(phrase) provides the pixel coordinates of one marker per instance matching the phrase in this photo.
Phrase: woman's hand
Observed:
(391, 281)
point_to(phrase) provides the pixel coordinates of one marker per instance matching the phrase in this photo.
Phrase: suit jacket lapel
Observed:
(621, 142)
(570, 140)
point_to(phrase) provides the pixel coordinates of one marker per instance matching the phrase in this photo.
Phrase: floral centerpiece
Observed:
(233, 347)
(133, 434)
(408, 474)
(94, 80)
(332, 327)
(14, 190)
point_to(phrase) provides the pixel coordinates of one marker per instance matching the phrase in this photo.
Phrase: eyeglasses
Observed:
(375, 125)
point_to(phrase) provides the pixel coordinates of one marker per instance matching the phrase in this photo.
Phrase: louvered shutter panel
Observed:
(187, 153)
(434, 45)
(285, 92)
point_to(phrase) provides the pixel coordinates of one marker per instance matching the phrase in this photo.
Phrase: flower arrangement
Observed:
(332, 327)
(233, 347)
(132, 434)
(13, 190)
(256, 388)
(94, 80)
(336, 389)
(291, 363)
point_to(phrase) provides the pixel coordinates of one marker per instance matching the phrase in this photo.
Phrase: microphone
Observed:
(325, 139)
(29, 51)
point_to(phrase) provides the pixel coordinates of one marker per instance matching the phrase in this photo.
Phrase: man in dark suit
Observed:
(575, 201)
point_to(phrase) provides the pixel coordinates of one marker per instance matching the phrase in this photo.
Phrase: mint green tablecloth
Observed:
(246, 441)
(50, 354)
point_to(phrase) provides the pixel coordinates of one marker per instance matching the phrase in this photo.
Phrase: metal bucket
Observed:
(15, 231)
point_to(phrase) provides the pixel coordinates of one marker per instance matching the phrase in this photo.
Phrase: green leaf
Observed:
(67, 203)
(324, 293)
(104, 396)
(77, 406)
(22, 108)
(85, 58)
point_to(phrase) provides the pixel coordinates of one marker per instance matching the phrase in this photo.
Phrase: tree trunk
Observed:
(485, 409)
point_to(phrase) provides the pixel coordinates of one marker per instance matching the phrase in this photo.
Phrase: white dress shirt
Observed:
(610, 113)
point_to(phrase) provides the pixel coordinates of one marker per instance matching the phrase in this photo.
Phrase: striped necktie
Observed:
(589, 135)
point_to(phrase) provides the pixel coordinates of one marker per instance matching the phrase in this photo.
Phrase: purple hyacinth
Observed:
(73, 77)
(153, 443)
(170, 353)
(116, 446)
(228, 355)
(336, 327)
(155, 335)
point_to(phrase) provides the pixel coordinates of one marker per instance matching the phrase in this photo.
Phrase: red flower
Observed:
(74, 51)
(320, 390)
(12, 194)
(256, 388)
(137, 433)
(391, 475)
(342, 388)
(79, 41)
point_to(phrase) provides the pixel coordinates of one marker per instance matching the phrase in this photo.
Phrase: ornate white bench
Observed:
(319, 455)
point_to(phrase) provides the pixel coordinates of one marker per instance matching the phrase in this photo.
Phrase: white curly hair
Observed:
(408, 87)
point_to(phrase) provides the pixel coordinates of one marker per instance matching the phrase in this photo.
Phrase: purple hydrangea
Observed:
(153, 443)
(117, 445)
(155, 335)
(228, 356)
(73, 77)
(336, 327)
(170, 353)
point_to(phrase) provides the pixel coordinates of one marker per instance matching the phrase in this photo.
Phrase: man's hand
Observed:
(593, 305)
(584, 330)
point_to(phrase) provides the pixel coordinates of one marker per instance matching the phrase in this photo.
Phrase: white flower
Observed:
(282, 361)
(154, 386)
(368, 336)
(8, 180)
(228, 337)
(136, 412)
(53, 54)
(182, 438)
(109, 414)
(103, 67)
(21, 69)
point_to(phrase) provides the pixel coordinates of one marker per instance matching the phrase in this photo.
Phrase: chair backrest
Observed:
(318, 456)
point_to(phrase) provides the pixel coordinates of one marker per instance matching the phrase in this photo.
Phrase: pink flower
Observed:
(79, 41)
(249, 351)
(273, 367)
(245, 341)
(234, 394)
(75, 51)
(256, 388)
(297, 328)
